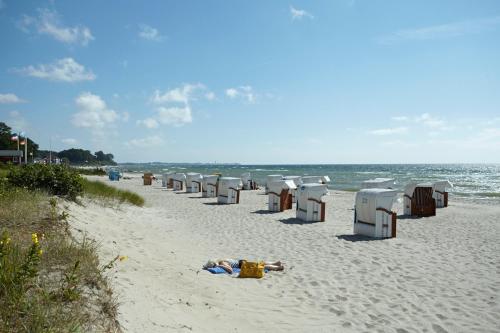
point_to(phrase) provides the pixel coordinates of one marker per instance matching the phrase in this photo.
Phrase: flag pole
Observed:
(19, 157)
(25, 150)
(50, 150)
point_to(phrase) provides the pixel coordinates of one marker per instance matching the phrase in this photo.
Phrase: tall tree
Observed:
(5, 137)
(78, 156)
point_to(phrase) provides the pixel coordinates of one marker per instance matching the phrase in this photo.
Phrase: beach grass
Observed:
(49, 282)
(97, 189)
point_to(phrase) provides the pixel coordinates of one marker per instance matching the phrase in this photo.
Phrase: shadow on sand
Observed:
(408, 217)
(358, 238)
(263, 212)
(213, 204)
(294, 220)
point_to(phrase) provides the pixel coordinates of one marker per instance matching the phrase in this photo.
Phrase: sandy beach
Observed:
(441, 274)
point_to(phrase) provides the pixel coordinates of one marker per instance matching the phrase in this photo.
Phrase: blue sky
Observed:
(344, 81)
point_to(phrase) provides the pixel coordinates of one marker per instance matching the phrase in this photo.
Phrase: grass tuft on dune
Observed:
(49, 282)
(98, 189)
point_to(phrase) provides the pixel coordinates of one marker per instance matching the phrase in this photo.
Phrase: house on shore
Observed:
(13, 156)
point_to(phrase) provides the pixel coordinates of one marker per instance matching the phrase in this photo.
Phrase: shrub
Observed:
(55, 179)
(91, 172)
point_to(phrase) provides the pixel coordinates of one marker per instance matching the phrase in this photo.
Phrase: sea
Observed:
(478, 182)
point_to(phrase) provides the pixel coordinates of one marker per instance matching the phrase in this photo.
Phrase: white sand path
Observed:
(441, 274)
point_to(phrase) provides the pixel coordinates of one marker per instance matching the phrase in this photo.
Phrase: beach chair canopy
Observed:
(279, 185)
(312, 179)
(442, 185)
(296, 179)
(179, 176)
(190, 176)
(272, 178)
(312, 191)
(212, 179)
(378, 183)
(368, 200)
(230, 182)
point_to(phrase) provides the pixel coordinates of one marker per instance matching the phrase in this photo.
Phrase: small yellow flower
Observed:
(7, 241)
(40, 252)
(34, 238)
(122, 258)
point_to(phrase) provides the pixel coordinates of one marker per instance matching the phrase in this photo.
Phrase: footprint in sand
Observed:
(438, 329)
(341, 298)
(440, 316)
(338, 312)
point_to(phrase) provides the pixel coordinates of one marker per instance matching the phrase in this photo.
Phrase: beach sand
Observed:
(441, 274)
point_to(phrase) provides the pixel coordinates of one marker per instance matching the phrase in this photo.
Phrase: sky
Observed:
(264, 82)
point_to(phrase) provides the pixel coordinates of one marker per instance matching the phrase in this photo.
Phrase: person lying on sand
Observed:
(229, 264)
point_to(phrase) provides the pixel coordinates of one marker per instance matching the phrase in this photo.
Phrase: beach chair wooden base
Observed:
(379, 229)
(314, 212)
(442, 199)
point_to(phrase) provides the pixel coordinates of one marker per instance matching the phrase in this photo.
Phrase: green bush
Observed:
(91, 172)
(55, 179)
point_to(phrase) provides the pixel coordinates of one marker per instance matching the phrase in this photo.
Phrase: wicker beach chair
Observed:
(421, 202)
(147, 178)
(280, 196)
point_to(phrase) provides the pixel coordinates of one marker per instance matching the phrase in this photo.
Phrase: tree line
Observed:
(72, 156)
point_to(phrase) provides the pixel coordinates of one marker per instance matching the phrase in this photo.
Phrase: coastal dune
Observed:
(441, 274)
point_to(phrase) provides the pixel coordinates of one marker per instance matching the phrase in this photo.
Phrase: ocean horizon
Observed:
(471, 181)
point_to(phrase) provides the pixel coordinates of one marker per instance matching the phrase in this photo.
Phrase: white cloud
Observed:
(93, 113)
(389, 131)
(150, 33)
(430, 121)
(69, 141)
(149, 141)
(177, 95)
(298, 14)
(148, 122)
(232, 93)
(448, 30)
(48, 22)
(425, 119)
(10, 99)
(65, 70)
(244, 92)
(173, 106)
(210, 96)
(176, 116)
